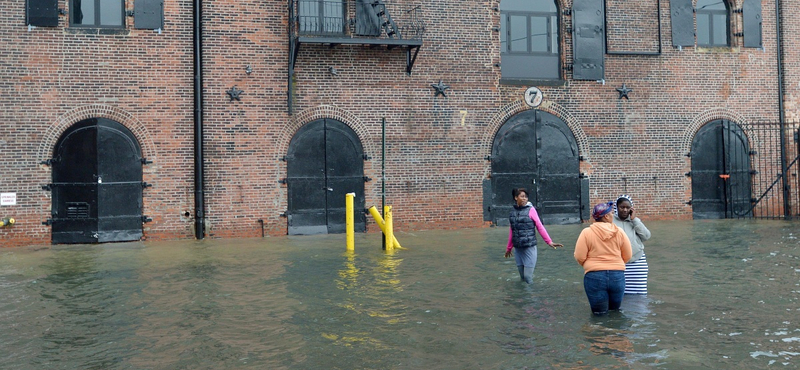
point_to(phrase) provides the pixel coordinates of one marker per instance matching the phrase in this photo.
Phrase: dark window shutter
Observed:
(367, 19)
(42, 13)
(589, 35)
(751, 15)
(148, 14)
(681, 13)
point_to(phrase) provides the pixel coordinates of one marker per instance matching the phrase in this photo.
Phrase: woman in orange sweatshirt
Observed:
(602, 249)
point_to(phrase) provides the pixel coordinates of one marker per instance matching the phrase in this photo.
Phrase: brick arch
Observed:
(326, 111)
(705, 117)
(548, 106)
(62, 123)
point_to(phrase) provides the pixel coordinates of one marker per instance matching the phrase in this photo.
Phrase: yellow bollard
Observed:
(349, 220)
(387, 226)
(381, 224)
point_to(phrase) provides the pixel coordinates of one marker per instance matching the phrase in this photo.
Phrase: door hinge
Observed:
(488, 158)
(47, 187)
(146, 185)
(285, 214)
(689, 202)
(688, 174)
(366, 157)
(367, 179)
(146, 219)
(48, 222)
(48, 162)
(283, 181)
(145, 161)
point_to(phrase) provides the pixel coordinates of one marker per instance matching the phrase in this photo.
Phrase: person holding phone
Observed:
(636, 269)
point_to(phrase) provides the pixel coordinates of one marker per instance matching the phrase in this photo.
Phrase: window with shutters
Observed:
(529, 40)
(713, 23)
(97, 13)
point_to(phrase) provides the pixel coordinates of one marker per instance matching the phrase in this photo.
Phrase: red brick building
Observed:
(102, 107)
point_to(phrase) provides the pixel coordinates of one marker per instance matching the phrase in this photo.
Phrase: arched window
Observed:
(529, 40)
(713, 23)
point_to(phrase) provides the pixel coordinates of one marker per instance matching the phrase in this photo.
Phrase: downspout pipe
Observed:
(787, 212)
(199, 195)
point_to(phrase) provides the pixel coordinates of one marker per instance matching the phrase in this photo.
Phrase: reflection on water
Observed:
(723, 294)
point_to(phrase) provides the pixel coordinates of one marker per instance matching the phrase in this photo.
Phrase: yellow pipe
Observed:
(387, 226)
(379, 220)
(7, 221)
(349, 220)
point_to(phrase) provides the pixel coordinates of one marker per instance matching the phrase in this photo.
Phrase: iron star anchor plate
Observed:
(440, 88)
(624, 91)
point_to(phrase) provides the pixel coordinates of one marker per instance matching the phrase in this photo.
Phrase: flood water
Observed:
(723, 295)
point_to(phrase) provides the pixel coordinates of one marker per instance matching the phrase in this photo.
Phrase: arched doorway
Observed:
(721, 178)
(97, 184)
(536, 150)
(325, 161)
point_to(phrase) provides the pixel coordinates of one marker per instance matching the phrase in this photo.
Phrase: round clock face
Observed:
(533, 97)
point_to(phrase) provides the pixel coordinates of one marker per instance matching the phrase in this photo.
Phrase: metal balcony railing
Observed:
(372, 19)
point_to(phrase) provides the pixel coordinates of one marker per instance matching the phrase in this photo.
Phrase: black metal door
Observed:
(97, 184)
(325, 162)
(721, 177)
(536, 150)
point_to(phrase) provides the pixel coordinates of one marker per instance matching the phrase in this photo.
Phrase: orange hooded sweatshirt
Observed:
(602, 246)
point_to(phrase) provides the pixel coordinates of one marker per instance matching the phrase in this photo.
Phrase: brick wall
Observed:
(54, 77)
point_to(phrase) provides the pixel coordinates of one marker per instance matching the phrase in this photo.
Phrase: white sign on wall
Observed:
(8, 199)
(533, 97)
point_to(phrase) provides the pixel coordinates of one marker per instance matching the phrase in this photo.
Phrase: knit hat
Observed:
(601, 210)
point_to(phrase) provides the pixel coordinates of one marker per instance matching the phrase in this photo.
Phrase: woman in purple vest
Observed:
(524, 222)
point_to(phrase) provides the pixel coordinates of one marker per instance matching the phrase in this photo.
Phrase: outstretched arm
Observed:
(540, 228)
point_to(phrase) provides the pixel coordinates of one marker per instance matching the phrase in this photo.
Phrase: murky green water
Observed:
(723, 295)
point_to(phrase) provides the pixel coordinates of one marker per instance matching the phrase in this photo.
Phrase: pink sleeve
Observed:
(539, 227)
(510, 244)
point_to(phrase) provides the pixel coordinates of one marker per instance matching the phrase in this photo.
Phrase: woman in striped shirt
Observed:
(636, 270)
